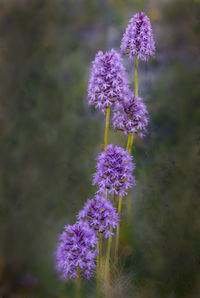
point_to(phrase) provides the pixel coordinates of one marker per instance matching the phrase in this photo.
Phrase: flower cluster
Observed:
(76, 249)
(114, 171)
(108, 86)
(138, 38)
(108, 81)
(133, 117)
(100, 215)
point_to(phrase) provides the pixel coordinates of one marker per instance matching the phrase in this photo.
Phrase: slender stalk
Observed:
(100, 251)
(128, 142)
(131, 139)
(98, 273)
(118, 230)
(128, 207)
(107, 263)
(114, 198)
(120, 205)
(131, 136)
(106, 193)
(131, 143)
(128, 198)
(110, 239)
(136, 76)
(107, 266)
(106, 127)
(78, 284)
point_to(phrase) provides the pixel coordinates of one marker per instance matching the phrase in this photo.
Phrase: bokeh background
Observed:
(49, 140)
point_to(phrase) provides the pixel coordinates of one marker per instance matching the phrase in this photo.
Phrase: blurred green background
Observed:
(49, 140)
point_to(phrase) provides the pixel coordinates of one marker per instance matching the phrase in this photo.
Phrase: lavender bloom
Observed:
(100, 215)
(138, 38)
(108, 81)
(133, 117)
(76, 248)
(114, 171)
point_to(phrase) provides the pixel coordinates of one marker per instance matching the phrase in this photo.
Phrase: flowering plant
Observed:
(80, 245)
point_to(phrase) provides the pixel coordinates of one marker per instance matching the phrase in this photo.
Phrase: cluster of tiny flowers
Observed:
(108, 86)
(138, 38)
(76, 249)
(100, 215)
(114, 171)
(108, 81)
(133, 117)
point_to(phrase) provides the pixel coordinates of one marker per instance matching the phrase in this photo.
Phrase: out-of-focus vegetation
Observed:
(49, 140)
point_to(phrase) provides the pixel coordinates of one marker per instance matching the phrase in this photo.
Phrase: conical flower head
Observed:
(138, 38)
(132, 118)
(76, 249)
(114, 171)
(108, 82)
(100, 215)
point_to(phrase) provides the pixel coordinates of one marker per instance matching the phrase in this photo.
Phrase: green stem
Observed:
(106, 127)
(131, 139)
(100, 251)
(108, 252)
(118, 230)
(109, 240)
(128, 142)
(136, 76)
(98, 267)
(128, 207)
(128, 198)
(106, 193)
(131, 143)
(120, 205)
(78, 284)
(107, 267)
(114, 198)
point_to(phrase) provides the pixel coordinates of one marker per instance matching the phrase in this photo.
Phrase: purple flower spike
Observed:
(133, 117)
(138, 38)
(108, 81)
(76, 248)
(100, 215)
(114, 171)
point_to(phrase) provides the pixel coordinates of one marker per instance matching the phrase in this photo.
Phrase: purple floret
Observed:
(138, 38)
(76, 248)
(114, 171)
(100, 215)
(132, 118)
(108, 82)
